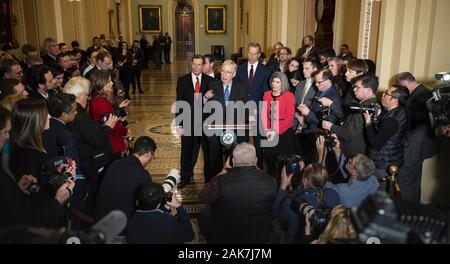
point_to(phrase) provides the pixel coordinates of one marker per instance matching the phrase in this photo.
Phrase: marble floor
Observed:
(150, 115)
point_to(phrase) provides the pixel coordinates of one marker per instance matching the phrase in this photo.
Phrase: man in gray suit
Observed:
(421, 142)
(304, 94)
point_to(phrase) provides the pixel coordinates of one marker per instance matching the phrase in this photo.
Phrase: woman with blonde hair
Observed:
(339, 228)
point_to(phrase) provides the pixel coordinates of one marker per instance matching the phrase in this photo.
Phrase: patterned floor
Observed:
(150, 115)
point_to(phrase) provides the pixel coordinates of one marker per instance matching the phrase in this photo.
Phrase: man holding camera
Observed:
(123, 178)
(362, 181)
(421, 138)
(240, 200)
(386, 140)
(351, 132)
(152, 223)
(317, 112)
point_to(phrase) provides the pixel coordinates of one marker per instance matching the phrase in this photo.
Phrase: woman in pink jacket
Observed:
(277, 116)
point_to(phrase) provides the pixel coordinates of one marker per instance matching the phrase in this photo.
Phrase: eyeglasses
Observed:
(320, 82)
(386, 93)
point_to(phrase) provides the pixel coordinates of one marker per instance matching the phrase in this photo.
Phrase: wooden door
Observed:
(185, 38)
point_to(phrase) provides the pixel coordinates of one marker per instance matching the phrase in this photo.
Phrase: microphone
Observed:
(105, 230)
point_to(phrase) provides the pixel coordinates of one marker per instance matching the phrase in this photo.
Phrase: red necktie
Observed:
(197, 86)
(252, 74)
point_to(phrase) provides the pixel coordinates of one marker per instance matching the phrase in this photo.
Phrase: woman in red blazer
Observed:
(100, 105)
(277, 117)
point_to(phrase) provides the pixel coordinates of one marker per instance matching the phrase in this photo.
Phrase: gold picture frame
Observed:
(150, 19)
(216, 19)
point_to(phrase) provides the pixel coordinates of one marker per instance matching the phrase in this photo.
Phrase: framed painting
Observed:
(216, 19)
(150, 19)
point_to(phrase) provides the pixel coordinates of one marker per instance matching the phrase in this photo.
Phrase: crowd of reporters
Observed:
(79, 125)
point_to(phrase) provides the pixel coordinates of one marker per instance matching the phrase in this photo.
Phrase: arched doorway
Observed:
(184, 30)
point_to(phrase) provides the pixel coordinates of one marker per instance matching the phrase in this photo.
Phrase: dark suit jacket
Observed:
(238, 93)
(308, 98)
(47, 60)
(260, 81)
(91, 141)
(139, 56)
(313, 53)
(58, 141)
(186, 91)
(17, 209)
(119, 186)
(314, 117)
(421, 138)
(35, 94)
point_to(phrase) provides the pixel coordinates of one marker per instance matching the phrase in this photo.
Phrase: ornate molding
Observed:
(21, 22)
(269, 40)
(367, 28)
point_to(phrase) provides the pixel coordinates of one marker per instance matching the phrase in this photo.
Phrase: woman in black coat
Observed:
(29, 119)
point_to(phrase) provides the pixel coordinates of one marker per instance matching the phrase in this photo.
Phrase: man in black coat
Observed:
(241, 199)
(138, 56)
(255, 78)
(223, 93)
(351, 132)
(308, 50)
(190, 90)
(314, 114)
(123, 178)
(421, 142)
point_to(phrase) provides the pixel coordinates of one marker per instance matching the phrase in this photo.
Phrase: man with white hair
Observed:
(224, 93)
(240, 199)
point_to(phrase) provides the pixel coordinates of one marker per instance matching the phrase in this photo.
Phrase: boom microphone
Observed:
(105, 230)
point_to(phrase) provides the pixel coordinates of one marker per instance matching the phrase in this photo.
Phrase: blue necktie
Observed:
(227, 94)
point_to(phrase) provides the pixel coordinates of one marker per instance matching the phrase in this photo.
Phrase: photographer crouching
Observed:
(153, 223)
(310, 201)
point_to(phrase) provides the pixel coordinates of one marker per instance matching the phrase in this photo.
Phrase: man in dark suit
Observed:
(145, 46)
(37, 88)
(255, 78)
(137, 66)
(52, 51)
(123, 179)
(224, 92)
(314, 113)
(304, 94)
(308, 50)
(57, 140)
(421, 143)
(190, 89)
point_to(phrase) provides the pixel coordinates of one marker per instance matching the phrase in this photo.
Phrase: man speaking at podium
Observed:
(229, 96)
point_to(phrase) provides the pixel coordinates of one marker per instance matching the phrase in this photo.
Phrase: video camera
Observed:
(171, 181)
(318, 218)
(399, 222)
(374, 109)
(439, 105)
